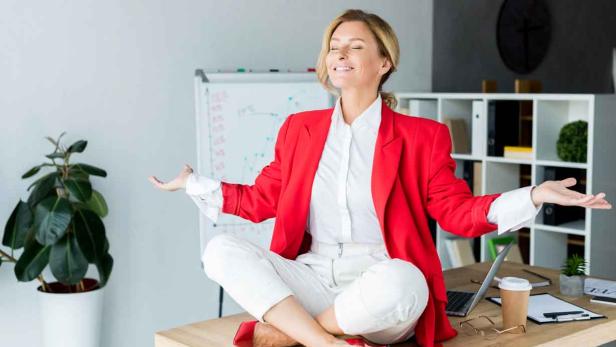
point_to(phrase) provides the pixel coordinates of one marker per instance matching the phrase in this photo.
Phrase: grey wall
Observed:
(120, 74)
(579, 59)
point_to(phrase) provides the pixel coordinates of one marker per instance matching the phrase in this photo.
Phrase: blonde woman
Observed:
(350, 188)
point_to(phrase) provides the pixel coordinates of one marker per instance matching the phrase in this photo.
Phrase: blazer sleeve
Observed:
(450, 201)
(259, 201)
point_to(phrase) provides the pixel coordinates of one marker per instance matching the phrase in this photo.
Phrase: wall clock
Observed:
(523, 34)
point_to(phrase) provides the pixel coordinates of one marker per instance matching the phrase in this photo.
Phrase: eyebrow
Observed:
(352, 39)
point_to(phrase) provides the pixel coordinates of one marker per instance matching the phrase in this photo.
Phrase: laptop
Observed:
(460, 303)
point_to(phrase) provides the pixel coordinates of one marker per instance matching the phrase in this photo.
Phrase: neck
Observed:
(354, 102)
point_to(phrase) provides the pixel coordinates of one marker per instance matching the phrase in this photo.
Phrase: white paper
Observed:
(544, 303)
(599, 287)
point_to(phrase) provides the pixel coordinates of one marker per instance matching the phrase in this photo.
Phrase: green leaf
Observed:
(51, 219)
(104, 267)
(53, 142)
(89, 169)
(77, 147)
(90, 232)
(32, 261)
(80, 189)
(42, 178)
(42, 188)
(97, 204)
(79, 175)
(17, 226)
(31, 172)
(55, 155)
(66, 260)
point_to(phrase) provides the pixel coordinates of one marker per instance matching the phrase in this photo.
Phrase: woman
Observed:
(350, 187)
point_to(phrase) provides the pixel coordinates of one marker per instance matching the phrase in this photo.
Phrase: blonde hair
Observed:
(386, 40)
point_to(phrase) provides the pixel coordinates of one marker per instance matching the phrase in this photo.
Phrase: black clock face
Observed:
(523, 34)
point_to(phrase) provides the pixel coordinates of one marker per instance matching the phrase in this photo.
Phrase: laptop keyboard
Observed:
(457, 300)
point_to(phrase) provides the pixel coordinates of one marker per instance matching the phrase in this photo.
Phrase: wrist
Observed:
(533, 196)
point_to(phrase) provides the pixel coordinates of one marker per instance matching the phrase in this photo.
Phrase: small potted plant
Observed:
(572, 276)
(60, 225)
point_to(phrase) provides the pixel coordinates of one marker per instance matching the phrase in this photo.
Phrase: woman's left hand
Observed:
(556, 192)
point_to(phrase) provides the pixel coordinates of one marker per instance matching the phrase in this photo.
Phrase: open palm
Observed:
(557, 192)
(177, 183)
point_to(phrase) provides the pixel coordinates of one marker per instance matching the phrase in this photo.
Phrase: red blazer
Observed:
(412, 176)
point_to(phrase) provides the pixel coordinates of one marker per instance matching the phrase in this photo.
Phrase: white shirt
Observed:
(341, 205)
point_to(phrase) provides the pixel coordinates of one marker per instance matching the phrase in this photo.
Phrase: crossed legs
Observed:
(381, 305)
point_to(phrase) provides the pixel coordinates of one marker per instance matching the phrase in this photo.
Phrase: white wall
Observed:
(120, 74)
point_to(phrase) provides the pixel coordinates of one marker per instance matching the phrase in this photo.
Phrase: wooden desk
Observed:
(219, 332)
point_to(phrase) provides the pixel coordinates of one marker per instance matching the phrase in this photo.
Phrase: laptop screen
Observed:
(490, 276)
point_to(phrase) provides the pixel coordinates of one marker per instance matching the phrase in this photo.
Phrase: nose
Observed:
(342, 52)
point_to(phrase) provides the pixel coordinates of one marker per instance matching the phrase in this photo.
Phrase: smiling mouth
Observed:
(343, 69)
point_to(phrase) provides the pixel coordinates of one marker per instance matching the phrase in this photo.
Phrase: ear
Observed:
(386, 66)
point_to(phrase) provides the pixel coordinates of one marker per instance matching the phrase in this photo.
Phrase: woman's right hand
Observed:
(177, 183)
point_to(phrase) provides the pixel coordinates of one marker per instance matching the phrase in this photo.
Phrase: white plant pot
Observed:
(71, 319)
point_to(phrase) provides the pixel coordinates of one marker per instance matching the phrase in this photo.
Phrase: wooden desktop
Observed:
(219, 332)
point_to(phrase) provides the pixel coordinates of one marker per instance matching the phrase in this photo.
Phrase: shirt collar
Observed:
(370, 117)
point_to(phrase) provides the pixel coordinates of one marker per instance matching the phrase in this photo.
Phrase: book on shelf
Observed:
(518, 152)
(503, 125)
(478, 145)
(460, 252)
(554, 214)
(468, 173)
(477, 165)
(459, 135)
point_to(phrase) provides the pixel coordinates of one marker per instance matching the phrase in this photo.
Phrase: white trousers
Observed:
(374, 296)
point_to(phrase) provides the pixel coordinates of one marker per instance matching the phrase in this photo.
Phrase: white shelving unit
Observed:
(547, 244)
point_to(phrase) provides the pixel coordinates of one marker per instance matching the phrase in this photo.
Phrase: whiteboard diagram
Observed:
(237, 127)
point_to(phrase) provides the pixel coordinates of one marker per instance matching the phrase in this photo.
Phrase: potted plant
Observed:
(572, 276)
(60, 225)
(572, 143)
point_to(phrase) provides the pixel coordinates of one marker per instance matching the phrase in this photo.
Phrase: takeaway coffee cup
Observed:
(514, 294)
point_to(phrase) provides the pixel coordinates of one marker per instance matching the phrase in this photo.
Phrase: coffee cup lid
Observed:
(514, 283)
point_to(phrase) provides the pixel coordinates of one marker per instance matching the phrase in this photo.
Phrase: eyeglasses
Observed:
(484, 327)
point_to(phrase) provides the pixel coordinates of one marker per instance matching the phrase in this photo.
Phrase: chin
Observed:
(343, 84)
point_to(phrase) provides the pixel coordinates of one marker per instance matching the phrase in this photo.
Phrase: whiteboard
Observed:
(238, 116)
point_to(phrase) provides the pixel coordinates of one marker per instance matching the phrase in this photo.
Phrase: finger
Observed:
(592, 201)
(158, 183)
(581, 201)
(601, 203)
(602, 206)
(568, 182)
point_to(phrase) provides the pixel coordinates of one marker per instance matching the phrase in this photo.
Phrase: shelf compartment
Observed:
(552, 115)
(501, 177)
(563, 219)
(425, 108)
(509, 123)
(462, 110)
(551, 249)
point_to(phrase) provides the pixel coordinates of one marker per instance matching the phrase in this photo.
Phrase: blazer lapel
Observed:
(385, 164)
